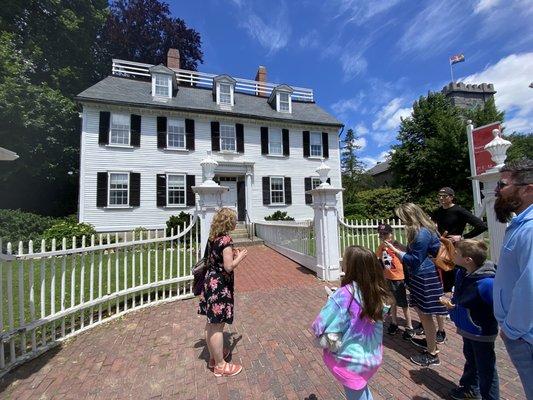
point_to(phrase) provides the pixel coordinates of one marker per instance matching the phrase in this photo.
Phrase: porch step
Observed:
(245, 242)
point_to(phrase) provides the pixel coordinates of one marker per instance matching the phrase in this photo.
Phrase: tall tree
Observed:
(144, 31)
(484, 115)
(522, 146)
(354, 178)
(432, 150)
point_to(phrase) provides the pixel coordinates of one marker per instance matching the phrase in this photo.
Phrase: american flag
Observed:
(457, 58)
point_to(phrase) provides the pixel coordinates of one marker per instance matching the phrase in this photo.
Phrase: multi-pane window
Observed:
(176, 190)
(120, 129)
(118, 189)
(316, 144)
(225, 94)
(274, 142)
(315, 182)
(176, 134)
(277, 192)
(284, 102)
(161, 85)
(227, 138)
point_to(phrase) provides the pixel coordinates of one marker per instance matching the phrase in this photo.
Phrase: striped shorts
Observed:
(424, 293)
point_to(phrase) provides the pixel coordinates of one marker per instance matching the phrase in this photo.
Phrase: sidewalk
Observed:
(159, 352)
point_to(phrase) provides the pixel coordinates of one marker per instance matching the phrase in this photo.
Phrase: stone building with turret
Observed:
(468, 96)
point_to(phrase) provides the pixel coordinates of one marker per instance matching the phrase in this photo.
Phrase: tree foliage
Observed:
(375, 203)
(353, 176)
(484, 115)
(522, 146)
(144, 31)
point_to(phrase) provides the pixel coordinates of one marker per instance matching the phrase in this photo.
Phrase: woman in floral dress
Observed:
(216, 300)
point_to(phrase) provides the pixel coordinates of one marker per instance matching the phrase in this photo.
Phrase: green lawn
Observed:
(110, 271)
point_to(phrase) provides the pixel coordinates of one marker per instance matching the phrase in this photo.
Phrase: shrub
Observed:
(279, 216)
(375, 203)
(67, 228)
(138, 231)
(182, 221)
(16, 225)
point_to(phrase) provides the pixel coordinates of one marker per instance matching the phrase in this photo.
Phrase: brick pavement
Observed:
(159, 353)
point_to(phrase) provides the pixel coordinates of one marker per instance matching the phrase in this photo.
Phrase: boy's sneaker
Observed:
(419, 330)
(425, 359)
(441, 337)
(422, 343)
(393, 329)
(463, 393)
(408, 334)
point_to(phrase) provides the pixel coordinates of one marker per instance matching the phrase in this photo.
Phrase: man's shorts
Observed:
(398, 290)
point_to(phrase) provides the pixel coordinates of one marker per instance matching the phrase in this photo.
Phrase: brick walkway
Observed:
(159, 352)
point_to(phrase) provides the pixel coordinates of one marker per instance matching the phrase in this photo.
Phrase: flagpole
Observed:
(451, 70)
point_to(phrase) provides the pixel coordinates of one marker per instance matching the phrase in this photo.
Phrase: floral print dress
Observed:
(216, 300)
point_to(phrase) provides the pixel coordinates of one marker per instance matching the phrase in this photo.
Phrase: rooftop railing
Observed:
(205, 80)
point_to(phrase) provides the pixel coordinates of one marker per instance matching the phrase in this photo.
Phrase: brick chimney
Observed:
(173, 58)
(261, 76)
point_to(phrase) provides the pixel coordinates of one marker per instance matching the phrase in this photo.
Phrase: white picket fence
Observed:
(66, 287)
(295, 240)
(364, 233)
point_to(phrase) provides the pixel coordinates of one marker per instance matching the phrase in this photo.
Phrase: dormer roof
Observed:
(224, 79)
(161, 69)
(283, 88)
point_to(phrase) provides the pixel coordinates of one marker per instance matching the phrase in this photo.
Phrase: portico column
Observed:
(326, 227)
(210, 198)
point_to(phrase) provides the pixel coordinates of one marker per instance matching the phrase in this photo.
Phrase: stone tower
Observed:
(468, 96)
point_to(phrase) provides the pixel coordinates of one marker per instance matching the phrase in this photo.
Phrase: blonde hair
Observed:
(414, 219)
(223, 222)
(475, 249)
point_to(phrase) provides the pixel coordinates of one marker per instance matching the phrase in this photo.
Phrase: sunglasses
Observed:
(501, 184)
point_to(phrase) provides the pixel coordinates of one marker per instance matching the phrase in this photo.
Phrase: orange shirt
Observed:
(395, 272)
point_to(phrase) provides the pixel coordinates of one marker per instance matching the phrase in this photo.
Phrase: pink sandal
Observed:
(225, 355)
(227, 370)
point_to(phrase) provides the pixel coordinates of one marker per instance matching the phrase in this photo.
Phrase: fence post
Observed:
(326, 227)
(209, 198)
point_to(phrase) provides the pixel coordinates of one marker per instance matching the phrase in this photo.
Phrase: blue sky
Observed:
(367, 61)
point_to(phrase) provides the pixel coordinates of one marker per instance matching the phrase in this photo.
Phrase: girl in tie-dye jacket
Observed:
(355, 311)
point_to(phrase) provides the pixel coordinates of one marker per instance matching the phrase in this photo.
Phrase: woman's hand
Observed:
(240, 254)
(232, 257)
(391, 246)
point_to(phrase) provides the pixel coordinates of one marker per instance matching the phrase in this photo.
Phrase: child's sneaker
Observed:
(408, 334)
(441, 337)
(330, 290)
(393, 329)
(425, 359)
(463, 393)
(419, 330)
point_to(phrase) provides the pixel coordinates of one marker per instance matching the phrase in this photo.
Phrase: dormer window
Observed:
(224, 87)
(162, 85)
(280, 99)
(163, 81)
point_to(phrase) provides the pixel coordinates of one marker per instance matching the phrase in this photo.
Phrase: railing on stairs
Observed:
(250, 230)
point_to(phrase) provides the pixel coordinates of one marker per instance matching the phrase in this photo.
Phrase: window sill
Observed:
(118, 207)
(229, 152)
(120, 146)
(176, 149)
(315, 157)
(276, 155)
(177, 206)
(277, 205)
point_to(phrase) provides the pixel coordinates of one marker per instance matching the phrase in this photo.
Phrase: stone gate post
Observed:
(209, 198)
(498, 149)
(326, 227)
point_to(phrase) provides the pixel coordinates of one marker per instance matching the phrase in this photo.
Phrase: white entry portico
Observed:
(237, 177)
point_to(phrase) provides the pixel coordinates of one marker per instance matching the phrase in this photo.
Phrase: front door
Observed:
(229, 198)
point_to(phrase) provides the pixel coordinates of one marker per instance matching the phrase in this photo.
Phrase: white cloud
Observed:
(361, 142)
(360, 129)
(389, 117)
(511, 77)
(370, 161)
(344, 108)
(360, 11)
(485, 5)
(311, 40)
(353, 65)
(272, 33)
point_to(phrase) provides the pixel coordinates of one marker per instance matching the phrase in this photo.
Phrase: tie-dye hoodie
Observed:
(361, 351)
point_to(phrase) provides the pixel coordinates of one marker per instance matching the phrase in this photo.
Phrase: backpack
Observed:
(445, 256)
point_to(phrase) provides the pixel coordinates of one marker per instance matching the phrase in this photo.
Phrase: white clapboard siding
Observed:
(148, 160)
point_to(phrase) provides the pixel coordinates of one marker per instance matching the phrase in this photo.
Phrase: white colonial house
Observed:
(146, 129)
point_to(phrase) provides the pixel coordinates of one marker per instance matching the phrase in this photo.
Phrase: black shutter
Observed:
(135, 189)
(306, 143)
(103, 130)
(288, 191)
(239, 133)
(215, 136)
(191, 197)
(161, 132)
(308, 186)
(285, 137)
(264, 140)
(161, 191)
(189, 132)
(325, 145)
(328, 180)
(266, 190)
(101, 189)
(135, 128)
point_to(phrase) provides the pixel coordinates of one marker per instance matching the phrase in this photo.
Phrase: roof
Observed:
(161, 69)
(379, 168)
(124, 91)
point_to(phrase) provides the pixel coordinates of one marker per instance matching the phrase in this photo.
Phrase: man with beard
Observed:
(452, 218)
(513, 285)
